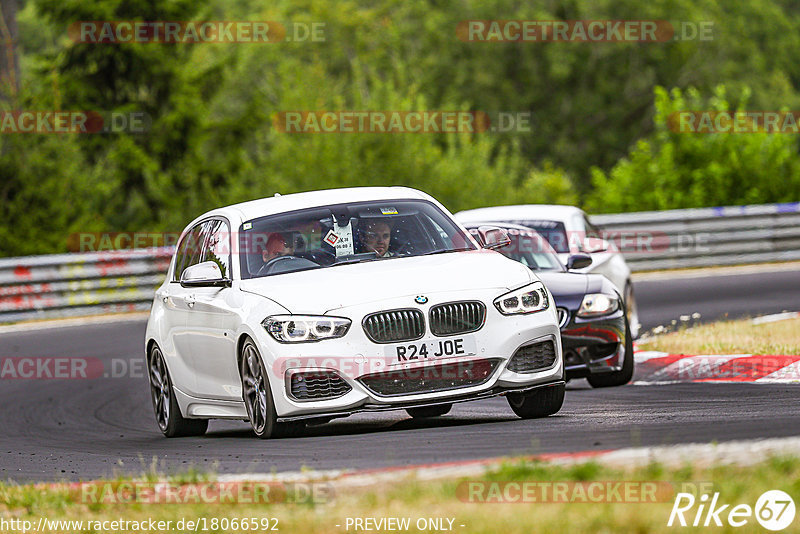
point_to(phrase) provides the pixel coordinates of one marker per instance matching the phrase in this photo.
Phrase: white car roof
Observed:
(280, 204)
(530, 212)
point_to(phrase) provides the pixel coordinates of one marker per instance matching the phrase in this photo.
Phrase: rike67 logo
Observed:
(774, 510)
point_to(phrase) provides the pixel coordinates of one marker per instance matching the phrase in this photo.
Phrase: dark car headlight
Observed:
(598, 304)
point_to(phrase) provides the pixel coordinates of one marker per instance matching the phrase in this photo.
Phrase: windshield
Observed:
(346, 233)
(554, 231)
(530, 249)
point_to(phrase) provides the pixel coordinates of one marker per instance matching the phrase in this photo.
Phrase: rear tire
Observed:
(258, 400)
(618, 378)
(537, 403)
(165, 405)
(429, 411)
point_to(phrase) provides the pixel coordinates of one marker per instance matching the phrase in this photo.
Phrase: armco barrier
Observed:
(64, 285)
(92, 283)
(711, 236)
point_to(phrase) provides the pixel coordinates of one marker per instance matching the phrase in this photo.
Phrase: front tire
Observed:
(631, 311)
(258, 400)
(165, 405)
(537, 403)
(429, 411)
(621, 377)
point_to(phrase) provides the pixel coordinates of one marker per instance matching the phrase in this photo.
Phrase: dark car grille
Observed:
(395, 325)
(535, 357)
(318, 385)
(563, 317)
(431, 378)
(457, 318)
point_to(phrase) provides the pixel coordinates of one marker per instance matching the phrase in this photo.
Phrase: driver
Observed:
(376, 236)
(277, 245)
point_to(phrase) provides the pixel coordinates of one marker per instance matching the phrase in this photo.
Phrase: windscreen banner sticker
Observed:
(341, 237)
(389, 211)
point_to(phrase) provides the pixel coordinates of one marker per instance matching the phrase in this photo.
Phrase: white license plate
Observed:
(432, 349)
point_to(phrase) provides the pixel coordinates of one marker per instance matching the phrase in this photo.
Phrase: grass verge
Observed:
(731, 337)
(449, 499)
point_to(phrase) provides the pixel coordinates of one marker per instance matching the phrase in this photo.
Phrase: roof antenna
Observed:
(276, 195)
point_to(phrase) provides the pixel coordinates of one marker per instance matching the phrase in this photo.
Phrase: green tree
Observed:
(687, 170)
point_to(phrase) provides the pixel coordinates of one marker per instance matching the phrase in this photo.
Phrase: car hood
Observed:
(568, 289)
(323, 290)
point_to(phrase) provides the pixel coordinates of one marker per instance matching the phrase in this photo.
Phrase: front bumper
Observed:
(593, 346)
(494, 392)
(354, 356)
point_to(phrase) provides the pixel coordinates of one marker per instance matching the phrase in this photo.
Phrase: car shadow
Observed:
(343, 427)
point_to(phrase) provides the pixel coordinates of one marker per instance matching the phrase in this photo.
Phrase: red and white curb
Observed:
(653, 368)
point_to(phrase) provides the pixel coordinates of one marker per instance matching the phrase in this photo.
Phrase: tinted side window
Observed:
(190, 249)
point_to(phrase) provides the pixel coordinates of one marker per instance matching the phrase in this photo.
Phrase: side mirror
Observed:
(206, 274)
(595, 244)
(578, 261)
(493, 237)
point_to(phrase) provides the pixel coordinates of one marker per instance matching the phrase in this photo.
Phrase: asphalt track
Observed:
(84, 429)
(716, 296)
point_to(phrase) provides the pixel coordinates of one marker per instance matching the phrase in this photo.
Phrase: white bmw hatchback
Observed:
(306, 307)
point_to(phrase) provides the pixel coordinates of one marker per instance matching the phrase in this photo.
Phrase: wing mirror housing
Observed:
(578, 261)
(493, 237)
(205, 274)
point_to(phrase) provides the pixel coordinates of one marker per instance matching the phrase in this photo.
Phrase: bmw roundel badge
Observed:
(420, 299)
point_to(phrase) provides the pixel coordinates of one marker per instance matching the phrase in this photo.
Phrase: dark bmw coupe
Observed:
(595, 334)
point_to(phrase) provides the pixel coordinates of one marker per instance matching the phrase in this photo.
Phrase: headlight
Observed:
(303, 328)
(596, 304)
(527, 299)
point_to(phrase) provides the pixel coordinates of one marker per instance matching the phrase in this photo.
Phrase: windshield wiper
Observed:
(351, 261)
(445, 250)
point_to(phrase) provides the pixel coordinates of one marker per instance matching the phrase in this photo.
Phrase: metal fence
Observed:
(97, 283)
(63, 285)
(707, 236)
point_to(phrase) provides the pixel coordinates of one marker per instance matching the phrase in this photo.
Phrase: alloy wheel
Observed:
(160, 388)
(255, 389)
